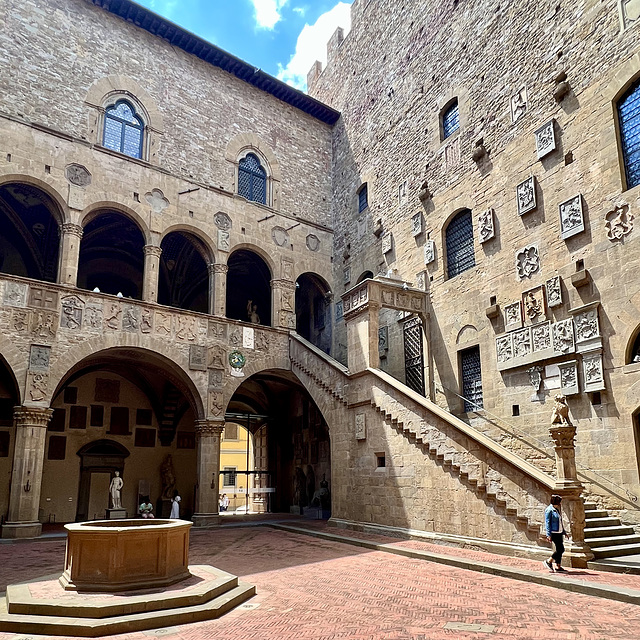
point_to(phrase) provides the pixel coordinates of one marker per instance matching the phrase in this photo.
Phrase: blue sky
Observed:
(282, 37)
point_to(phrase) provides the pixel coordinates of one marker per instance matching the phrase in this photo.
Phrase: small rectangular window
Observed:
(230, 431)
(78, 417)
(5, 439)
(186, 440)
(144, 417)
(381, 460)
(71, 395)
(229, 477)
(450, 120)
(471, 379)
(57, 420)
(145, 438)
(363, 199)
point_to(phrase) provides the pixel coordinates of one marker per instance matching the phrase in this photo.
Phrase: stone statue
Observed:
(114, 489)
(560, 413)
(321, 496)
(252, 312)
(168, 475)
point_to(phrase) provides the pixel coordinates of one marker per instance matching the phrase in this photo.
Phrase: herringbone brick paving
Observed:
(312, 589)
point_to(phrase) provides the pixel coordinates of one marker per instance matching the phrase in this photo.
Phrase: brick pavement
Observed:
(315, 589)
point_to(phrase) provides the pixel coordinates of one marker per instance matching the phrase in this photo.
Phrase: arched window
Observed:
(363, 198)
(450, 119)
(459, 241)
(629, 121)
(252, 179)
(123, 129)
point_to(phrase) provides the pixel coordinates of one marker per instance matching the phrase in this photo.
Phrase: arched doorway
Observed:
(313, 317)
(112, 256)
(184, 273)
(129, 410)
(99, 460)
(248, 281)
(288, 465)
(30, 237)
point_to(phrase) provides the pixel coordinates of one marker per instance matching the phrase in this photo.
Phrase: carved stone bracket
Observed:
(69, 228)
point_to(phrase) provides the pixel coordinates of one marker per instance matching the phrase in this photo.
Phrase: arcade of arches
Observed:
(134, 409)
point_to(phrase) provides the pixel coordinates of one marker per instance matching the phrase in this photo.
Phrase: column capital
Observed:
(72, 229)
(283, 284)
(209, 428)
(152, 250)
(218, 267)
(32, 416)
(563, 436)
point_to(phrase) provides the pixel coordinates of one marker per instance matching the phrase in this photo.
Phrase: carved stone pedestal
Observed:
(115, 514)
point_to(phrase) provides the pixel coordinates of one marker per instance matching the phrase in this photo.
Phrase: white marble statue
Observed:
(114, 489)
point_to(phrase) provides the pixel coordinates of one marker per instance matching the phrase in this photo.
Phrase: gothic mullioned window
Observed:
(123, 129)
(459, 241)
(252, 179)
(450, 120)
(629, 121)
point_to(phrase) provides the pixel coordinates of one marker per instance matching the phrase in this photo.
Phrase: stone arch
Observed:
(107, 88)
(467, 334)
(15, 364)
(203, 236)
(61, 209)
(96, 208)
(626, 75)
(171, 357)
(245, 246)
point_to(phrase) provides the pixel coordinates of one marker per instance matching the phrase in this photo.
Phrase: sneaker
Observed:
(561, 569)
(548, 565)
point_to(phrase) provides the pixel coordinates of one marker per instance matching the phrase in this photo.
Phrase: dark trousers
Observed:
(558, 545)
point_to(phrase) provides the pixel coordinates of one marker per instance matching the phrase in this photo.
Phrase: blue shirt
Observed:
(553, 521)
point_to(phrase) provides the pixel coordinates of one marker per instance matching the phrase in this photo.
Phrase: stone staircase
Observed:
(486, 483)
(607, 536)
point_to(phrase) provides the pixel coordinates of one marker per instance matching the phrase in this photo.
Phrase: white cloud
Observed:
(165, 8)
(300, 10)
(268, 12)
(312, 45)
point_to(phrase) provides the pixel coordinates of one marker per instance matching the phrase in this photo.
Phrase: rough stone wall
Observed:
(391, 78)
(54, 53)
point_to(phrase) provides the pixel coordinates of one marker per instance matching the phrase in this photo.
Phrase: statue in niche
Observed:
(114, 489)
(299, 482)
(252, 312)
(168, 476)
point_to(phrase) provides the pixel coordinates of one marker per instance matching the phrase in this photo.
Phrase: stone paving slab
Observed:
(312, 589)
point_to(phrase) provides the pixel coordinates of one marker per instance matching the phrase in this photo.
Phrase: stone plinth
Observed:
(118, 555)
(115, 514)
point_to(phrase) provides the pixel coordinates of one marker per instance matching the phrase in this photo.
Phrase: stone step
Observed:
(95, 627)
(205, 584)
(590, 506)
(594, 523)
(608, 532)
(598, 543)
(595, 513)
(618, 550)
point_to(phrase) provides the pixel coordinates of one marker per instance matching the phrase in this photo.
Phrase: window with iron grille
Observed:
(450, 119)
(471, 379)
(629, 121)
(123, 129)
(363, 198)
(229, 477)
(459, 240)
(252, 179)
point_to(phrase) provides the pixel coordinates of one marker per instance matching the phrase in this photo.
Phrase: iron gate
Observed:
(413, 356)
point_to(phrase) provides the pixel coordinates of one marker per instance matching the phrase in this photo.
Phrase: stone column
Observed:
(570, 488)
(362, 338)
(220, 289)
(26, 475)
(151, 273)
(70, 254)
(208, 434)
